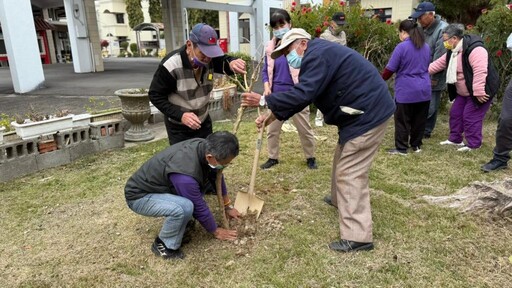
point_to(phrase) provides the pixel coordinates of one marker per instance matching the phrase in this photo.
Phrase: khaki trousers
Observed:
(350, 190)
(306, 136)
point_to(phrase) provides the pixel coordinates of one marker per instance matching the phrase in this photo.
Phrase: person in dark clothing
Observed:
(181, 85)
(503, 135)
(171, 185)
(352, 95)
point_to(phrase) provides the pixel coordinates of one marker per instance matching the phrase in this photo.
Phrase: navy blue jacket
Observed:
(331, 76)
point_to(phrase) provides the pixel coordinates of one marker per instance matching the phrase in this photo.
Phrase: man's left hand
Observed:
(237, 66)
(251, 99)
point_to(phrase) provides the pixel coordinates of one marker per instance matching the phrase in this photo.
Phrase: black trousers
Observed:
(178, 132)
(410, 121)
(504, 131)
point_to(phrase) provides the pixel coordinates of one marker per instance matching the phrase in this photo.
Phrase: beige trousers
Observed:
(350, 190)
(306, 136)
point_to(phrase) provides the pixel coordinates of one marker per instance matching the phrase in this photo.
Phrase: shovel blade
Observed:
(247, 202)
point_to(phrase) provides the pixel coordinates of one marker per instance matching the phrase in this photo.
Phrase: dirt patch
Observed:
(491, 198)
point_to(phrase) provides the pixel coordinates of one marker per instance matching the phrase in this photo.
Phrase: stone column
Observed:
(23, 52)
(79, 36)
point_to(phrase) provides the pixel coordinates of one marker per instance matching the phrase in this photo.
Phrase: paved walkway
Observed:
(66, 90)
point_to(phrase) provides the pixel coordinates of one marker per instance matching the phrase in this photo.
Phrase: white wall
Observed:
(401, 9)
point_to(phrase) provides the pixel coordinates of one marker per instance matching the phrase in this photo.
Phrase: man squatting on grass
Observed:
(352, 95)
(171, 185)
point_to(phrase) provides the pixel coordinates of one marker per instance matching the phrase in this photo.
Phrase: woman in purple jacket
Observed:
(410, 61)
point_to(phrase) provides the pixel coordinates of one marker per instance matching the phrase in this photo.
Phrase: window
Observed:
(383, 14)
(120, 18)
(243, 30)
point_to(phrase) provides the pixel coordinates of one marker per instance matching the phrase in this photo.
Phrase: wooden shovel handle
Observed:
(218, 184)
(256, 158)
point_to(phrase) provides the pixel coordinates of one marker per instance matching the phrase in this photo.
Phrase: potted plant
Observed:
(135, 109)
(37, 124)
(222, 87)
(7, 133)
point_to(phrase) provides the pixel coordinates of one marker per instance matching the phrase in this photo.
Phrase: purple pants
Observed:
(466, 117)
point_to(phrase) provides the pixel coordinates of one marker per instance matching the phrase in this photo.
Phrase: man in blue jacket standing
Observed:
(352, 95)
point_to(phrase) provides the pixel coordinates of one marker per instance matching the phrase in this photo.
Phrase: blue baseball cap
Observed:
(206, 39)
(422, 9)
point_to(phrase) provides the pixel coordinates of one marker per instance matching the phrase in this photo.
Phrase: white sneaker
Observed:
(448, 142)
(464, 149)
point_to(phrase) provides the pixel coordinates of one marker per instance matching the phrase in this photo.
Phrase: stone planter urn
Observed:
(135, 109)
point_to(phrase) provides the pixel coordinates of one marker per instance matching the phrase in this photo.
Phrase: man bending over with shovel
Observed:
(171, 185)
(351, 94)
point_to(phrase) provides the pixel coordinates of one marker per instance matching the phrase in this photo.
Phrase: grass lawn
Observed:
(70, 226)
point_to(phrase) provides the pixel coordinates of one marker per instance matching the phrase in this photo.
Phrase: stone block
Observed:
(73, 137)
(83, 149)
(106, 128)
(18, 167)
(111, 142)
(53, 159)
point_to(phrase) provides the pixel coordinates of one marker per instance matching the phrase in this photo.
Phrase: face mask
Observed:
(197, 62)
(294, 59)
(280, 32)
(447, 45)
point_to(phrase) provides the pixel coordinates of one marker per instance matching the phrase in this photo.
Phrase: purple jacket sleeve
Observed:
(264, 71)
(188, 187)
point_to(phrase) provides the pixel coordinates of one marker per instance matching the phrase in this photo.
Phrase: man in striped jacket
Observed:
(182, 83)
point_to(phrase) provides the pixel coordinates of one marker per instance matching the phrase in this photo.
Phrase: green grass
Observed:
(70, 227)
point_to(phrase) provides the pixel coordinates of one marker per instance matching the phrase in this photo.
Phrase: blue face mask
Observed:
(294, 59)
(280, 32)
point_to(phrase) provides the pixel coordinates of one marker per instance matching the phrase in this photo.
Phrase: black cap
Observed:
(339, 18)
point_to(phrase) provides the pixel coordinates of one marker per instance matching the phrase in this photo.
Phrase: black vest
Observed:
(492, 82)
(187, 157)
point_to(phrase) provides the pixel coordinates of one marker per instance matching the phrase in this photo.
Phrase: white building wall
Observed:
(107, 23)
(401, 9)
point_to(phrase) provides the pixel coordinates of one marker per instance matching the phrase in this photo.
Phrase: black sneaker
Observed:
(494, 165)
(270, 162)
(159, 249)
(311, 163)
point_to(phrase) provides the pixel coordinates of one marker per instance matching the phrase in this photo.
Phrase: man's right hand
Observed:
(225, 234)
(191, 120)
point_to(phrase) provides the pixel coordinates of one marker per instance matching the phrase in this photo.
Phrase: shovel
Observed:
(248, 201)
